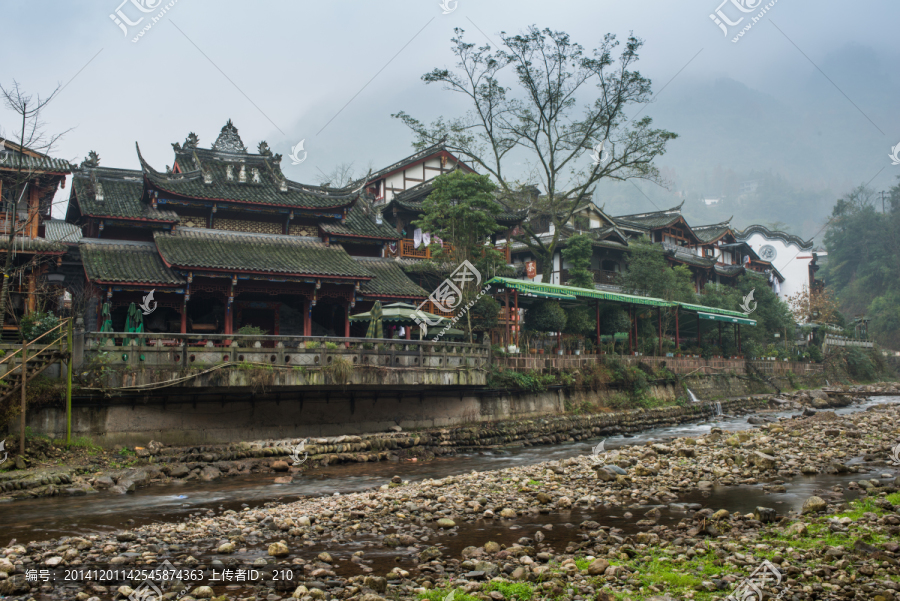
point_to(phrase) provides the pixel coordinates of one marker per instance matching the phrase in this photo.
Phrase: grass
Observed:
(439, 594)
(511, 590)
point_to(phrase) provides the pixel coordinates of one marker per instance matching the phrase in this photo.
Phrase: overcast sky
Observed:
(331, 72)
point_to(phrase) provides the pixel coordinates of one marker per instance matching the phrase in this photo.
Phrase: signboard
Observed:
(530, 268)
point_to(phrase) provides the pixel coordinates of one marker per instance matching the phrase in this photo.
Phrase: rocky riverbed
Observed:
(49, 469)
(534, 532)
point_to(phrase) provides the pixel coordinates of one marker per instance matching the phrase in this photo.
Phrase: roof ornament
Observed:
(168, 170)
(276, 158)
(282, 185)
(192, 140)
(229, 140)
(92, 161)
(207, 176)
(229, 173)
(242, 176)
(98, 192)
(254, 175)
(264, 149)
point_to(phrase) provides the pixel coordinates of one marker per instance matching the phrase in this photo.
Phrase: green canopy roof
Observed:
(571, 292)
(402, 313)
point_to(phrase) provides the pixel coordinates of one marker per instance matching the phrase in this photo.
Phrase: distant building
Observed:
(793, 257)
(749, 186)
(711, 201)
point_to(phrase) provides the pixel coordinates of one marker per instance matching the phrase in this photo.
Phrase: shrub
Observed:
(251, 331)
(332, 346)
(311, 344)
(545, 316)
(37, 323)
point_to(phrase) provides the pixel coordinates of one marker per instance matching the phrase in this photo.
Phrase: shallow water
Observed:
(45, 518)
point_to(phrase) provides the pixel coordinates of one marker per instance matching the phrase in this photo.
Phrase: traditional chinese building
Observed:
(224, 240)
(28, 183)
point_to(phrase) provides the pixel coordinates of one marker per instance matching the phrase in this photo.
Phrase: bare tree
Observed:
(32, 137)
(544, 123)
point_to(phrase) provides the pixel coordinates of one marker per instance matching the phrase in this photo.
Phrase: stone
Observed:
(103, 483)
(283, 480)
(543, 498)
(445, 523)
(491, 547)
(605, 475)
(813, 505)
(226, 549)
(598, 567)
(508, 513)
(763, 461)
(766, 515)
(202, 592)
(209, 473)
(278, 549)
(376, 583)
(704, 485)
(429, 554)
(280, 466)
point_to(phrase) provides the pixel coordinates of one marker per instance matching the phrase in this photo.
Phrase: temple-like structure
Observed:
(224, 240)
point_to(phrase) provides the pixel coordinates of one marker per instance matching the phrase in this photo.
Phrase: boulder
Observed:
(813, 505)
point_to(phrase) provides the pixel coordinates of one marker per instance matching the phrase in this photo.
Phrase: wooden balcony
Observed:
(408, 249)
(15, 224)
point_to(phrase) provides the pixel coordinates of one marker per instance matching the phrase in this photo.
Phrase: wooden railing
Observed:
(430, 307)
(408, 249)
(16, 224)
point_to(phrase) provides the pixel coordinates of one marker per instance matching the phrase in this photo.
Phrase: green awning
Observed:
(726, 318)
(713, 310)
(571, 292)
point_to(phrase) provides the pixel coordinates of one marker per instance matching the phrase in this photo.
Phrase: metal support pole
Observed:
(518, 321)
(506, 342)
(598, 327)
(677, 337)
(698, 331)
(659, 327)
(631, 330)
(69, 346)
(24, 376)
(740, 349)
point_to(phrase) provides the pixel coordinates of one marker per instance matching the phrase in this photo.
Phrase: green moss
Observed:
(511, 590)
(439, 594)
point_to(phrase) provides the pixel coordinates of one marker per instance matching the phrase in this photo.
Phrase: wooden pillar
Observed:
(347, 322)
(734, 328)
(598, 328)
(659, 328)
(307, 318)
(31, 302)
(184, 318)
(518, 321)
(229, 309)
(677, 335)
(698, 330)
(740, 351)
(506, 340)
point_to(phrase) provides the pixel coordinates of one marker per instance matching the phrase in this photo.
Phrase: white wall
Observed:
(792, 261)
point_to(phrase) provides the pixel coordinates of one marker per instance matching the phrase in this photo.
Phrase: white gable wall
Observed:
(790, 260)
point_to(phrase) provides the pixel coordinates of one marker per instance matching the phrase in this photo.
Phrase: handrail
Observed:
(279, 338)
(29, 343)
(15, 367)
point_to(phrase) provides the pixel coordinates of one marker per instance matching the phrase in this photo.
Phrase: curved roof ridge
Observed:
(748, 231)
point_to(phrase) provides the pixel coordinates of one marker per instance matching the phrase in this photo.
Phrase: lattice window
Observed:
(240, 225)
(304, 230)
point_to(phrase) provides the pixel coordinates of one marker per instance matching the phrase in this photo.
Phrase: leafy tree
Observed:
(648, 273)
(545, 316)
(536, 114)
(577, 252)
(863, 269)
(462, 210)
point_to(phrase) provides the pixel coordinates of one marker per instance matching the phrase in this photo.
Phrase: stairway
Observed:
(10, 384)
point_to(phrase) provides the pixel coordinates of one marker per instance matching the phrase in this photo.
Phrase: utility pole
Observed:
(882, 201)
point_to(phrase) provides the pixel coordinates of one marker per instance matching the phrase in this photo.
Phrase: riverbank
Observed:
(51, 470)
(544, 530)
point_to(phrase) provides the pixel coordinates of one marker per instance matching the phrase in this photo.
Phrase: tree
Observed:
(545, 316)
(462, 210)
(32, 137)
(815, 306)
(545, 123)
(648, 273)
(578, 252)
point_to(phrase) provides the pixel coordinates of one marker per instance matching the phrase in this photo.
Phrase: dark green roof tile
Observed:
(262, 253)
(390, 280)
(360, 225)
(125, 262)
(115, 193)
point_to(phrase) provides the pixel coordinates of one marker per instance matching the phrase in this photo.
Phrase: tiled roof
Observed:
(32, 245)
(12, 158)
(125, 262)
(261, 253)
(59, 230)
(711, 233)
(654, 219)
(413, 158)
(411, 200)
(389, 279)
(360, 225)
(212, 166)
(729, 270)
(121, 195)
(744, 234)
